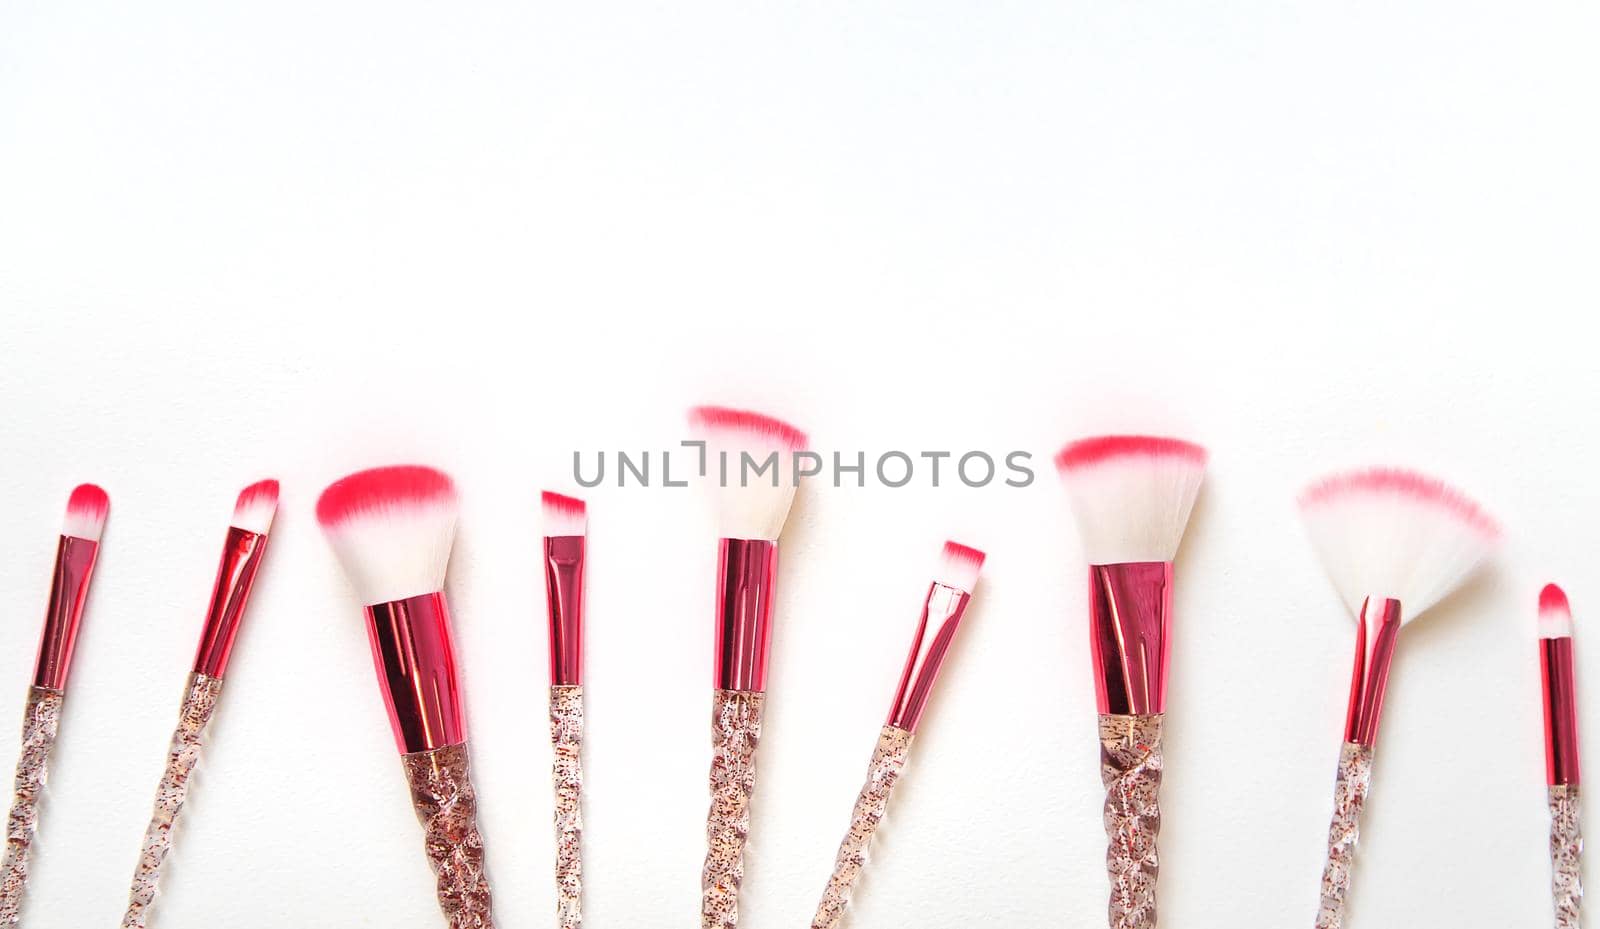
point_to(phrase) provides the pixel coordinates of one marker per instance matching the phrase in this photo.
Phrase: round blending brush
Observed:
(942, 608)
(391, 529)
(749, 467)
(241, 559)
(566, 525)
(1394, 543)
(1131, 496)
(69, 588)
(1561, 755)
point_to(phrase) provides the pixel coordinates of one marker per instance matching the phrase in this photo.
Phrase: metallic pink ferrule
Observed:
(941, 614)
(1376, 635)
(68, 590)
(563, 587)
(747, 573)
(1560, 712)
(241, 558)
(416, 662)
(1130, 626)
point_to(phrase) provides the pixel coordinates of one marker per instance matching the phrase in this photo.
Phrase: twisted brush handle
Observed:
(566, 737)
(735, 730)
(1566, 854)
(888, 760)
(199, 702)
(447, 806)
(1130, 768)
(40, 721)
(1349, 796)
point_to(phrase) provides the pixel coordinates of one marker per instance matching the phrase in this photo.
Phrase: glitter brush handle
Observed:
(447, 806)
(736, 728)
(1349, 797)
(888, 760)
(39, 724)
(1130, 768)
(1566, 854)
(566, 737)
(199, 702)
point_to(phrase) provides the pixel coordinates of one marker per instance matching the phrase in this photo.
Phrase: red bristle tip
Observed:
(379, 488)
(1098, 449)
(1553, 599)
(965, 554)
(1403, 483)
(724, 418)
(256, 505)
(86, 512)
(561, 503)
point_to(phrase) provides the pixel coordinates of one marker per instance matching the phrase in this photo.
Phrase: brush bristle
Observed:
(86, 513)
(1389, 532)
(748, 505)
(256, 506)
(563, 515)
(1132, 494)
(391, 529)
(1555, 616)
(959, 566)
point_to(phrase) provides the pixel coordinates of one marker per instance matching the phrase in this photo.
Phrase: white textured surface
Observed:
(297, 239)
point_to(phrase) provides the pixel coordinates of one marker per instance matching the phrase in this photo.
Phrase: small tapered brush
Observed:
(942, 608)
(1394, 543)
(1562, 770)
(76, 552)
(566, 525)
(1131, 496)
(391, 530)
(751, 509)
(241, 558)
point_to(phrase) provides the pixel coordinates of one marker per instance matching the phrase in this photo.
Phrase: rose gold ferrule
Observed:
(941, 614)
(1560, 712)
(241, 558)
(1130, 626)
(69, 587)
(416, 662)
(747, 573)
(563, 587)
(1376, 635)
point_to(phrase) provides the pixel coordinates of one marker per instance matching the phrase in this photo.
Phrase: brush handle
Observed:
(447, 806)
(1566, 854)
(566, 738)
(40, 721)
(735, 730)
(200, 695)
(1130, 768)
(888, 760)
(1349, 797)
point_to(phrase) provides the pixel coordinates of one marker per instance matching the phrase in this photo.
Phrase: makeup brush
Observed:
(750, 508)
(69, 587)
(1131, 496)
(942, 607)
(241, 559)
(391, 529)
(1561, 755)
(1394, 543)
(565, 526)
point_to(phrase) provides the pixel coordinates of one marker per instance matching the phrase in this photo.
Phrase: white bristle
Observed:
(959, 566)
(86, 513)
(747, 505)
(256, 506)
(564, 516)
(1396, 534)
(393, 540)
(1555, 615)
(1132, 495)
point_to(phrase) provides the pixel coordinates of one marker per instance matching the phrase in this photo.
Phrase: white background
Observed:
(296, 239)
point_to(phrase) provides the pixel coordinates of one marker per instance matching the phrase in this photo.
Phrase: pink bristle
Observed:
(1404, 483)
(1554, 599)
(564, 515)
(256, 506)
(721, 418)
(959, 566)
(382, 488)
(1555, 616)
(86, 513)
(1098, 449)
